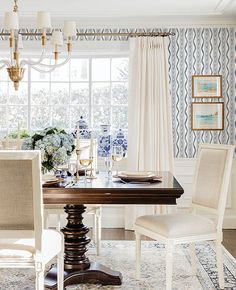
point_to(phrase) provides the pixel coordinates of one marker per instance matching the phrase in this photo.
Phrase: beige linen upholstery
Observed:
(23, 242)
(210, 188)
(209, 177)
(177, 225)
(16, 195)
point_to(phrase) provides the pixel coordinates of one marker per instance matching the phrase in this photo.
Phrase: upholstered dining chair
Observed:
(11, 144)
(23, 241)
(210, 188)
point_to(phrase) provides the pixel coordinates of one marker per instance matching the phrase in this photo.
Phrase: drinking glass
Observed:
(72, 169)
(85, 162)
(117, 155)
(108, 164)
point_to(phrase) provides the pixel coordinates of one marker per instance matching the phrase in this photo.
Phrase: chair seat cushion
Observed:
(177, 225)
(11, 249)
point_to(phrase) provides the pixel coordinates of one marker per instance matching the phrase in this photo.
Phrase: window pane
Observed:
(79, 69)
(76, 112)
(61, 73)
(80, 93)
(101, 115)
(120, 93)
(60, 117)
(40, 117)
(3, 74)
(17, 115)
(40, 93)
(37, 76)
(3, 92)
(101, 69)
(3, 117)
(101, 93)
(120, 117)
(59, 93)
(20, 96)
(119, 69)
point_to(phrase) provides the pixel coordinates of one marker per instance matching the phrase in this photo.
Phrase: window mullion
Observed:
(90, 95)
(29, 98)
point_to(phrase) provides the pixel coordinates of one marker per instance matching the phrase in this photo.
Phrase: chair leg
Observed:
(98, 229)
(60, 270)
(169, 266)
(95, 229)
(220, 266)
(46, 218)
(39, 280)
(193, 258)
(138, 254)
(58, 222)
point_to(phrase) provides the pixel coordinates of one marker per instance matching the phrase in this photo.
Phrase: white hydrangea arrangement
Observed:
(56, 147)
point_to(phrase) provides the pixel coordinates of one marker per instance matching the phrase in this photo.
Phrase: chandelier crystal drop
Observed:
(15, 65)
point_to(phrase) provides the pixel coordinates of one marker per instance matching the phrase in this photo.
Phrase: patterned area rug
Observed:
(120, 256)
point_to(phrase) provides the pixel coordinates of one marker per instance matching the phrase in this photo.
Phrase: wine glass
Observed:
(85, 162)
(117, 155)
(72, 170)
(108, 164)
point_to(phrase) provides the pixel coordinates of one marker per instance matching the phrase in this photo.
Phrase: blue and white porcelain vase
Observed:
(104, 142)
(121, 140)
(83, 129)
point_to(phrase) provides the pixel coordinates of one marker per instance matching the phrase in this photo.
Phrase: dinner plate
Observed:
(51, 179)
(135, 174)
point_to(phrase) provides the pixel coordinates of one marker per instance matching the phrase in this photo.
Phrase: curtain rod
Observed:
(89, 34)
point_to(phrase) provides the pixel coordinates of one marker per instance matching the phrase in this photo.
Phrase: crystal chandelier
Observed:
(15, 65)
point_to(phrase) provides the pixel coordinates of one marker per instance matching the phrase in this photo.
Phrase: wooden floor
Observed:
(120, 234)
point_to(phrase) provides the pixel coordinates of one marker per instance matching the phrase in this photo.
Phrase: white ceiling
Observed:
(120, 9)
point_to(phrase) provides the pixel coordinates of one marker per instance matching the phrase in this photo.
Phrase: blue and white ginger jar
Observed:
(121, 140)
(104, 142)
(83, 129)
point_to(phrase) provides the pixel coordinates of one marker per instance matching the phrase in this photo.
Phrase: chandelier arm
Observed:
(30, 62)
(43, 71)
(1, 67)
(52, 67)
(56, 65)
(5, 63)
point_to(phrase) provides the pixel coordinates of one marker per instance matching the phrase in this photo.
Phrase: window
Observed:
(94, 87)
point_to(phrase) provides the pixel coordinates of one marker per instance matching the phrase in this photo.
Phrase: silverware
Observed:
(135, 182)
(70, 184)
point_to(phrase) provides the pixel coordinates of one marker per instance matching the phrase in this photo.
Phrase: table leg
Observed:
(78, 268)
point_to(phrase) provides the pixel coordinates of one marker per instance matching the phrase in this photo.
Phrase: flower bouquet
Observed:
(56, 147)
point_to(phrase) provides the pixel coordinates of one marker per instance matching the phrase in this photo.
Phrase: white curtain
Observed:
(150, 143)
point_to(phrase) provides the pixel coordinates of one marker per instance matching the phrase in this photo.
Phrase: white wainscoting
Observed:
(113, 215)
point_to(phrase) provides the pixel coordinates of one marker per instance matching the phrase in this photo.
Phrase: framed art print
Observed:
(207, 86)
(208, 116)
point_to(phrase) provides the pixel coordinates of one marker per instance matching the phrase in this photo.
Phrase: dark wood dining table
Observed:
(77, 267)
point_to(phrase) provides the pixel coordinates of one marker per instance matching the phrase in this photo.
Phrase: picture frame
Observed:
(207, 116)
(207, 86)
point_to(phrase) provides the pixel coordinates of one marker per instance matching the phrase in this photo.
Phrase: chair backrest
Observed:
(11, 144)
(21, 206)
(212, 177)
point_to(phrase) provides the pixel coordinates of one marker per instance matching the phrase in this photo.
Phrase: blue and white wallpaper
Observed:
(201, 51)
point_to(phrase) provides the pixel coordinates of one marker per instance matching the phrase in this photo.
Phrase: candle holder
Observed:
(78, 153)
(92, 176)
